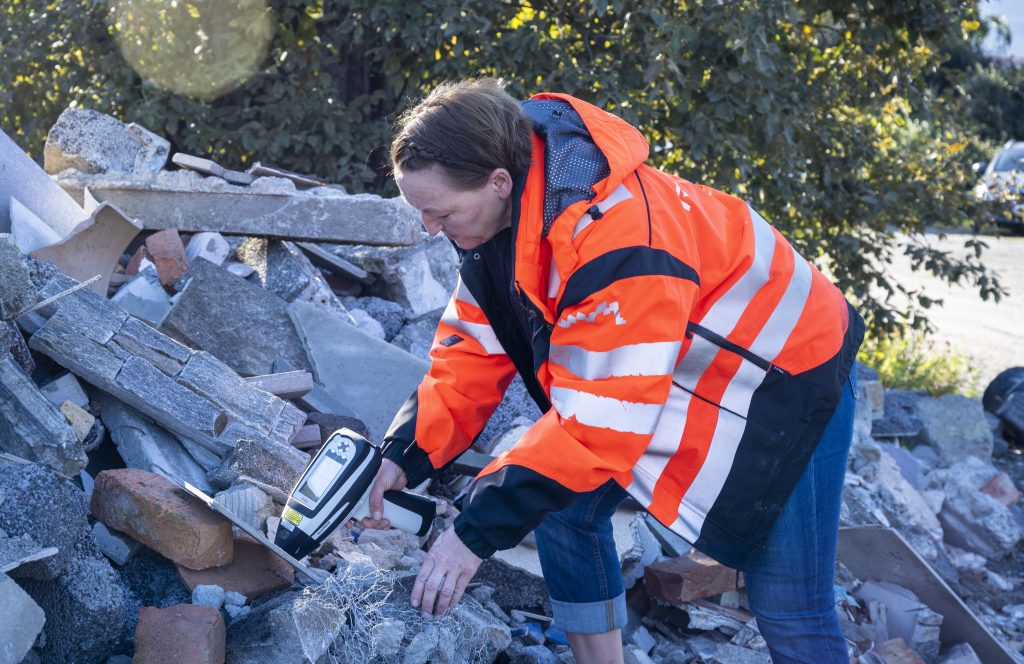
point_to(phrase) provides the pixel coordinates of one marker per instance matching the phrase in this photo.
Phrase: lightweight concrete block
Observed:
(180, 633)
(153, 510)
(21, 620)
(93, 142)
(343, 358)
(239, 323)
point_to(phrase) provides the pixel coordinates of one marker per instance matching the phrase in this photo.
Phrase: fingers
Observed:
(444, 576)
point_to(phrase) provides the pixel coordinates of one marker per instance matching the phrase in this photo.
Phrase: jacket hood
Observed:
(587, 151)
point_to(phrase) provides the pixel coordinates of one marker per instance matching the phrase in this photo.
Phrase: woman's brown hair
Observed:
(468, 128)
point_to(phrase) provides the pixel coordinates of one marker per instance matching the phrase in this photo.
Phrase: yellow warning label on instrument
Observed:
(292, 515)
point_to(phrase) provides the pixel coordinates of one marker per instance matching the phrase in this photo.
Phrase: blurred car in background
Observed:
(1002, 180)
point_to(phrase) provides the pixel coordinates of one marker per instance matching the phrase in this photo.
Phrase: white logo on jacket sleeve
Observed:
(603, 309)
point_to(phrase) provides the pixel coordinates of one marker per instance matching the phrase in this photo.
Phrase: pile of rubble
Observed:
(238, 319)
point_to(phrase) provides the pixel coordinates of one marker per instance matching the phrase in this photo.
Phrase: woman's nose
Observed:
(432, 227)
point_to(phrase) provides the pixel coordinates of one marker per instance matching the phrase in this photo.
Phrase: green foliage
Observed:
(819, 113)
(913, 362)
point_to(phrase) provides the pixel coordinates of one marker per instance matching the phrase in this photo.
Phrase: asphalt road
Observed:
(989, 332)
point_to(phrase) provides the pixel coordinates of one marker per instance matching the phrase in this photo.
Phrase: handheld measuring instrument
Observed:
(335, 487)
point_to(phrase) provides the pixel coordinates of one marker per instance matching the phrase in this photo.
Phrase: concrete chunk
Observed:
(21, 620)
(180, 633)
(210, 167)
(276, 465)
(1001, 488)
(119, 548)
(144, 297)
(33, 428)
(240, 323)
(93, 142)
(156, 512)
(955, 427)
(977, 522)
(343, 357)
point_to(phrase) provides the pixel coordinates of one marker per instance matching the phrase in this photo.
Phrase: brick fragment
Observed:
(135, 262)
(1001, 488)
(896, 651)
(688, 578)
(168, 254)
(254, 571)
(182, 633)
(153, 510)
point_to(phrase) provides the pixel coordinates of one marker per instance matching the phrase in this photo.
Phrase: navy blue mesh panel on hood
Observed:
(573, 164)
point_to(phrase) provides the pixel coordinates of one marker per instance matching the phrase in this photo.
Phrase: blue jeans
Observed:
(789, 589)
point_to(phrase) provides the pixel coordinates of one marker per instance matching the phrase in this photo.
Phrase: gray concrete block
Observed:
(17, 292)
(92, 142)
(21, 620)
(33, 428)
(29, 184)
(51, 510)
(239, 323)
(143, 297)
(344, 358)
(118, 547)
(955, 427)
(210, 246)
(405, 276)
(65, 388)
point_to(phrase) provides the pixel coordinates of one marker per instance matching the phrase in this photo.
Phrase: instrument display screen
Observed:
(320, 478)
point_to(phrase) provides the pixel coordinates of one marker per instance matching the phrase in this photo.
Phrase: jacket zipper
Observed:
(725, 344)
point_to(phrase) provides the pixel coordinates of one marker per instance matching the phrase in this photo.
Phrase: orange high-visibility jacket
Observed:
(675, 341)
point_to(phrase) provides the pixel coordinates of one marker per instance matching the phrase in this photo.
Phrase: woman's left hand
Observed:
(446, 572)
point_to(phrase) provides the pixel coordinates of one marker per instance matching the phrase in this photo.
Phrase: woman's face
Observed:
(466, 217)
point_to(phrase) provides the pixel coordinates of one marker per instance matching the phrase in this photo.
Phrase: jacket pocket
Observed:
(725, 344)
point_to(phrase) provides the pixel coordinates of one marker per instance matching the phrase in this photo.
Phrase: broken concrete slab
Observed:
(180, 633)
(955, 427)
(342, 357)
(241, 324)
(153, 510)
(691, 577)
(861, 548)
(167, 252)
(209, 246)
(404, 276)
(21, 620)
(263, 209)
(333, 263)
(145, 445)
(300, 180)
(33, 428)
(17, 292)
(144, 297)
(253, 571)
(92, 142)
(907, 618)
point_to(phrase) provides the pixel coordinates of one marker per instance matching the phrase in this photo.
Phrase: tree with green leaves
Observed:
(819, 113)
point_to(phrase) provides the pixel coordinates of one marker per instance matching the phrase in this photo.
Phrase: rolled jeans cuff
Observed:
(590, 617)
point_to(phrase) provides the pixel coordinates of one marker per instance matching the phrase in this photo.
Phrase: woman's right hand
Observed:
(390, 476)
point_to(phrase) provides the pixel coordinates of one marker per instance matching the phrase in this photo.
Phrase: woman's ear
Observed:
(501, 182)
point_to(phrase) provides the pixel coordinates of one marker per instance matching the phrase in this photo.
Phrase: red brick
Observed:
(153, 510)
(254, 571)
(190, 633)
(688, 578)
(168, 254)
(1001, 488)
(136, 260)
(896, 651)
